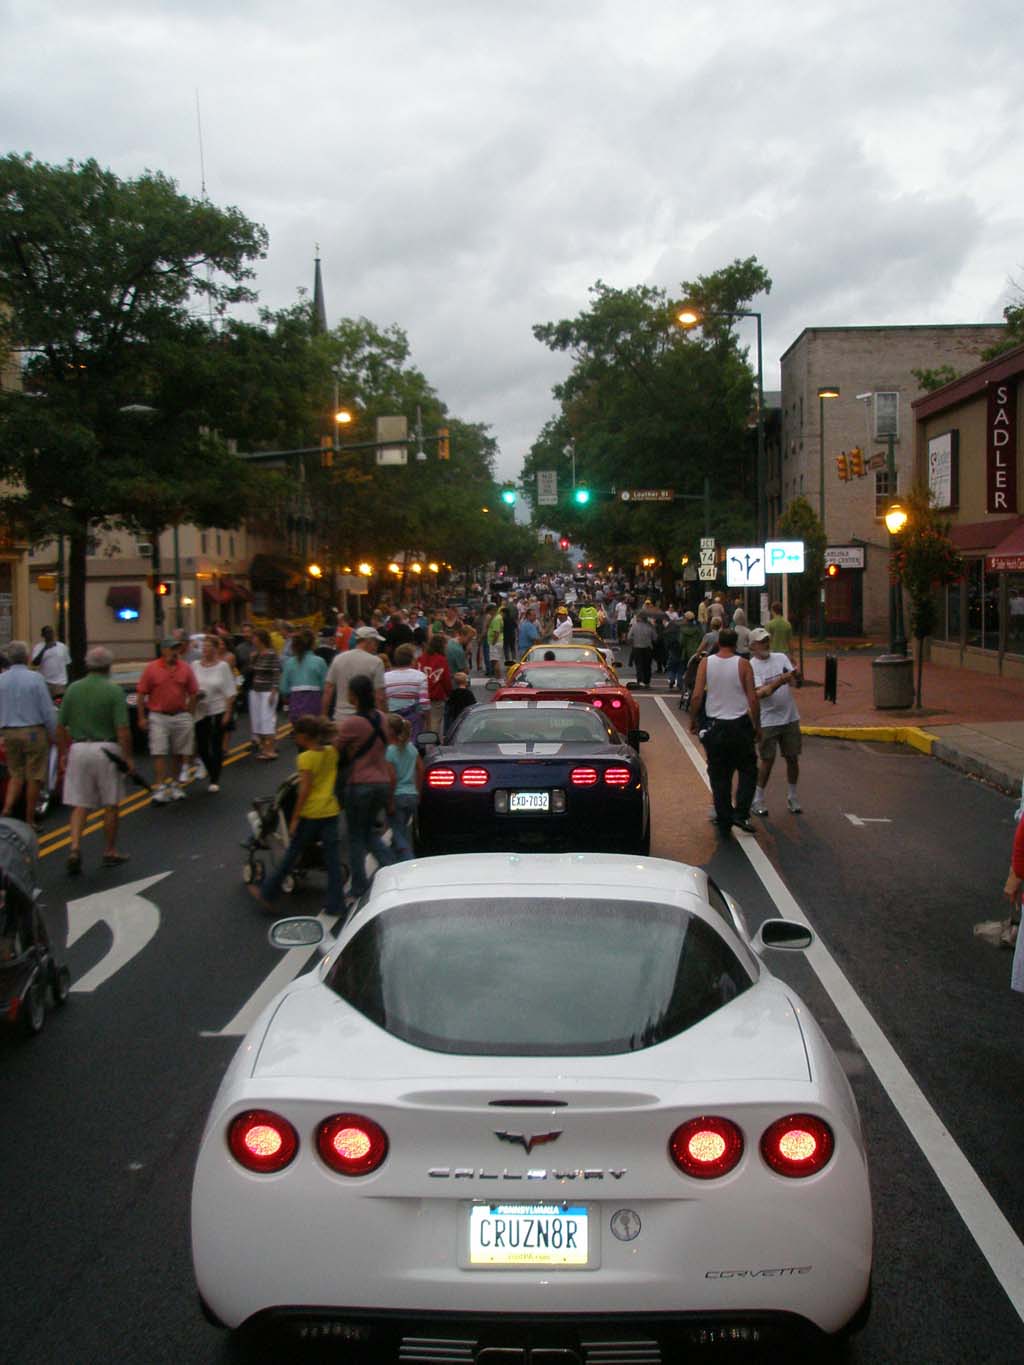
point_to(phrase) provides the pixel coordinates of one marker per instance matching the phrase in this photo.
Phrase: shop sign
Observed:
(943, 469)
(845, 556)
(1001, 447)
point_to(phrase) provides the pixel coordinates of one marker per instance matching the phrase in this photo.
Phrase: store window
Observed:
(1015, 614)
(982, 606)
(885, 491)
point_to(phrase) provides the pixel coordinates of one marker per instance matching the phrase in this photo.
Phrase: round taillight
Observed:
(262, 1141)
(706, 1147)
(798, 1145)
(616, 704)
(597, 703)
(441, 777)
(351, 1144)
(475, 777)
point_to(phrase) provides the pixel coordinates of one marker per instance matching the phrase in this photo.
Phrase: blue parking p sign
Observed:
(784, 556)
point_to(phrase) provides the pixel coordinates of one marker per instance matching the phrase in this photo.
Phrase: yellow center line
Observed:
(56, 839)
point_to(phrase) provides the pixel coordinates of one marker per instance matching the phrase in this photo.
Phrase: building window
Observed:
(202, 542)
(884, 491)
(1015, 614)
(887, 415)
(231, 546)
(947, 613)
(982, 606)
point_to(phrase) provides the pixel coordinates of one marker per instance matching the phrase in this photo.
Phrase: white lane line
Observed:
(996, 1239)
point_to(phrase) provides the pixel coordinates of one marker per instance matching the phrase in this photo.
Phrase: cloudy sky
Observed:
(470, 167)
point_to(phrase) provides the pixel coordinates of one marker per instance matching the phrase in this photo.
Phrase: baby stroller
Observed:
(28, 970)
(268, 822)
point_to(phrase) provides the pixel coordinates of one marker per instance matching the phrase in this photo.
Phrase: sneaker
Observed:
(742, 822)
(177, 792)
(161, 795)
(759, 808)
(199, 771)
(213, 787)
(188, 771)
(794, 805)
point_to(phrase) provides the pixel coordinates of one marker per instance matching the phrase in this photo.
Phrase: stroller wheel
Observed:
(60, 984)
(288, 884)
(33, 1007)
(253, 872)
(247, 873)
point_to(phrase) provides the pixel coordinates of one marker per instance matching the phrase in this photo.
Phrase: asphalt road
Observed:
(100, 1116)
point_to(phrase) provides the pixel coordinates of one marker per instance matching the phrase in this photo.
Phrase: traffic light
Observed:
(326, 452)
(159, 585)
(831, 570)
(444, 449)
(564, 542)
(582, 496)
(842, 466)
(508, 497)
(856, 463)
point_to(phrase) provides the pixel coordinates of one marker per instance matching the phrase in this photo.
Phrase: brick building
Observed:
(877, 362)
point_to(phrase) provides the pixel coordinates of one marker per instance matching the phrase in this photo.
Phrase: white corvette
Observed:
(532, 1103)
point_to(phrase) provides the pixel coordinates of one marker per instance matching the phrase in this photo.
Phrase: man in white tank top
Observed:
(726, 714)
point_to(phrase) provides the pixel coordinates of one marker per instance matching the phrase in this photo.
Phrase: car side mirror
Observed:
(638, 737)
(301, 931)
(428, 739)
(784, 934)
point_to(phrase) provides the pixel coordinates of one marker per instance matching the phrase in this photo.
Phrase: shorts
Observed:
(171, 734)
(786, 738)
(28, 752)
(91, 780)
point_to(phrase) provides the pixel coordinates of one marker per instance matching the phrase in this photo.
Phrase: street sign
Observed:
(784, 556)
(744, 567)
(392, 429)
(845, 556)
(647, 494)
(547, 488)
(707, 542)
(876, 461)
(708, 573)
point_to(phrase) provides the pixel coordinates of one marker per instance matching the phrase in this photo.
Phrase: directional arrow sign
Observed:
(132, 921)
(744, 567)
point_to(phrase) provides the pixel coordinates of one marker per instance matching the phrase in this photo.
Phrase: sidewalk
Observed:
(971, 720)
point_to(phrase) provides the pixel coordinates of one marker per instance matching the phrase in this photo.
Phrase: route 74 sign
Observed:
(744, 567)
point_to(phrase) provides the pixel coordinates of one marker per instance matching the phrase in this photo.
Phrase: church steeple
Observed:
(319, 305)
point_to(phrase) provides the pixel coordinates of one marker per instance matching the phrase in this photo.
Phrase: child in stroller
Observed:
(28, 970)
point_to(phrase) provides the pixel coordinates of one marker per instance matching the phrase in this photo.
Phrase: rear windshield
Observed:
(552, 676)
(510, 725)
(537, 978)
(564, 654)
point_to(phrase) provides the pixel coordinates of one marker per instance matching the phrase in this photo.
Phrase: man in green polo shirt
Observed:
(92, 723)
(780, 632)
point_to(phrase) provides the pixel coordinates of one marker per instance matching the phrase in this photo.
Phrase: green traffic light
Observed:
(582, 496)
(508, 495)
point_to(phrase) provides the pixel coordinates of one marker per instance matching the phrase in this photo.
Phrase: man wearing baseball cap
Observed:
(563, 625)
(362, 658)
(780, 720)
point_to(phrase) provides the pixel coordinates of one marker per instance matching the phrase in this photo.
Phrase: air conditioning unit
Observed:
(143, 549)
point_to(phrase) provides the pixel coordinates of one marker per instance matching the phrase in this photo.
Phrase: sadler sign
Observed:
(1002, 447)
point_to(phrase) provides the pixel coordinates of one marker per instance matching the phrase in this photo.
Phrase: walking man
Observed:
(344, 667)
(166, 701)
(779, 630)
(93, 724)
(729, 729)
(780, 720)
(51, 657)
(641, 636)
(29, 724)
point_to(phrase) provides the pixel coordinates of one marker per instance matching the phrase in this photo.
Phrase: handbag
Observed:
(345, 769)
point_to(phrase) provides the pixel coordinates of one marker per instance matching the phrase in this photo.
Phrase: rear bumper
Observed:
(450, 825)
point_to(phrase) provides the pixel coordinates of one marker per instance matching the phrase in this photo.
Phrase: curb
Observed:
(1002, 778)
(911, 735)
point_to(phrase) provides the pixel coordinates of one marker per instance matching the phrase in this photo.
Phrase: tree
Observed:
(800, 522)
(101, 277)
(930, 380)
(648, 405)
(1013, 315)
(924, 559)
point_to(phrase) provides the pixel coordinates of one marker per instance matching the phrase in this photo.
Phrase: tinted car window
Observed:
(537, 978)
(508, 725)
(552, 676)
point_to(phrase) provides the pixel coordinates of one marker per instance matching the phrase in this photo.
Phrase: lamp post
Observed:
(825, 392)
(690, 317)
(895, 520)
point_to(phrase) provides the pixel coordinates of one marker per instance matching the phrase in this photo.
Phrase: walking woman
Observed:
(362, 743)
(266, 674)
(408, 769)
(213, 711)
(302, 678)
(315, 814)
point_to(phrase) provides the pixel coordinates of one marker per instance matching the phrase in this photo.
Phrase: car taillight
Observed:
(475, 777)
(351, 1144)
(583, 777)
(798, 1145)
(616, 704)
(596, 703)
(617, 777)
(441, 777)
(262, 1141)
(706, 1147)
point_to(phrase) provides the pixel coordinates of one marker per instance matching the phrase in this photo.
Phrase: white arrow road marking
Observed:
(133, 921)
(861, 820)
(286, 970)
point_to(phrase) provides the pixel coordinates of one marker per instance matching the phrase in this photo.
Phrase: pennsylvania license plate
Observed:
(528, 1235)
(529, 801)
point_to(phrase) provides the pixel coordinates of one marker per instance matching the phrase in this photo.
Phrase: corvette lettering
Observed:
(768, 1274)
(481, 1173)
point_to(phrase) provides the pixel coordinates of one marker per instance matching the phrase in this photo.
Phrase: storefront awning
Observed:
(1008, 556)
(123, 595)
(982, 535)
(238, 590)
(214, 592)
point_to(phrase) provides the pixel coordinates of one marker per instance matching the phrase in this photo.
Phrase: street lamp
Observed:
(690, 317)
(825, 392)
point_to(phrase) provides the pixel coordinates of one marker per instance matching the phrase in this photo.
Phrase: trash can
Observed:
(893, 677)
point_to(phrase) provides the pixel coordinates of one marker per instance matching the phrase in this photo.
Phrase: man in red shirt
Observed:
(167, 695)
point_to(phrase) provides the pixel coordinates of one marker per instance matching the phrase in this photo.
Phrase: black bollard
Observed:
(831, 677)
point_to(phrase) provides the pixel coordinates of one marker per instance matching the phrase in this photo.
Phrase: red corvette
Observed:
(586, 682)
